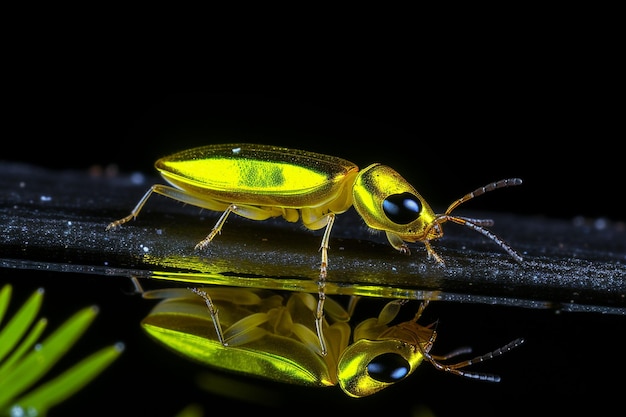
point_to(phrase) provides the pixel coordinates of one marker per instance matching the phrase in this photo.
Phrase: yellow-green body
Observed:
(272, 337)
(263, 181)
(271, 181)
(261, 175)
(268, 335)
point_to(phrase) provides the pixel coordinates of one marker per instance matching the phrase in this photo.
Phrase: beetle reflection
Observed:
(265, 334)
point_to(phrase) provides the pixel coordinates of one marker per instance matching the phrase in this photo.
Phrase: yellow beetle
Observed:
(271, 336)
(262, 181)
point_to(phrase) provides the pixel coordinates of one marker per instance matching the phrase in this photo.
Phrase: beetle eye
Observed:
(388, 367)
(402, 208)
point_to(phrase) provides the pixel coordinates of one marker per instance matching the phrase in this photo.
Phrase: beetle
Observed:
(263, 181)
(270, 335)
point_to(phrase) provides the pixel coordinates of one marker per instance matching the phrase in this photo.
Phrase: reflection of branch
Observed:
(24, 361)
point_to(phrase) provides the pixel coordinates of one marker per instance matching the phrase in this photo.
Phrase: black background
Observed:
(447, 139)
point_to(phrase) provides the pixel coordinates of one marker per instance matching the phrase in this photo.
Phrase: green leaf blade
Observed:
(71, 381)
(19, 324)
(39, 361)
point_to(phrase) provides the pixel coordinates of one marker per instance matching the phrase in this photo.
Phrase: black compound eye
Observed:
(388, 367)
(402, 208)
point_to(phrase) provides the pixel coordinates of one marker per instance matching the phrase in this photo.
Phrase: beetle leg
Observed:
(319, 317)
(133, 214)
(325, 245)
(433, 254)
(217, 228)
(174, 194)
(214, 314)
(321, 282)
(249, 212)
(421, 309)
(397, 242)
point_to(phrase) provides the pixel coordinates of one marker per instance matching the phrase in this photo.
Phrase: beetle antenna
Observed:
(475, 225)
(510, 182)
(478, 224)
(464, 350)
(456, 368)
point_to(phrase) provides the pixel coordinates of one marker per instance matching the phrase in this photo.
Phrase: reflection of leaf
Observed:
(26, 364)
(192, 410)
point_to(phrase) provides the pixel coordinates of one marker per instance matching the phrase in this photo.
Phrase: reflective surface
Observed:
(54, 220)
(567, 300)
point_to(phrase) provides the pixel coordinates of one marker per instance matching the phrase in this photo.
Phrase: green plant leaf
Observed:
(39, 361)
(19, 324)
(5, 296)
(72, 380)
(29, 360)
(27, 344)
